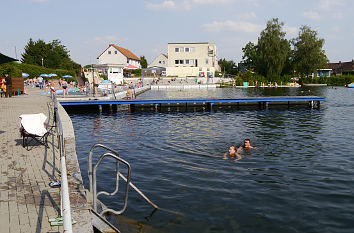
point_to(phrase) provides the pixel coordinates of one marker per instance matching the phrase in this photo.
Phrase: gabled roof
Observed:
(125, 52)
(165, 55)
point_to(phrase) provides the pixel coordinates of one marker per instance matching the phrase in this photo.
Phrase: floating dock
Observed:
(312, 101)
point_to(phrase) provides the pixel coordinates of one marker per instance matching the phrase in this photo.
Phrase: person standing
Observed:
(40, 82)
(95, 85)
(64, 85)
(8, 82)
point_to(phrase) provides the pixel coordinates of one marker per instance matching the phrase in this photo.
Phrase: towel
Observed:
(34, 123)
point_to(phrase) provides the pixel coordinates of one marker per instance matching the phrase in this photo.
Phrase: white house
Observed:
(160, 61)
(192, 60)
(112, 61)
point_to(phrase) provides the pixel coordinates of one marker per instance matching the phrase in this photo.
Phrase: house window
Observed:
(109, 52)
(181, 49)
(187, 62)
(181, 61)
(115, 52)
(192, 49)
(191, 62)
(163, 62)
(207, 61)
(176, 62)
(186, 50)
(176, 50)
(160, 62)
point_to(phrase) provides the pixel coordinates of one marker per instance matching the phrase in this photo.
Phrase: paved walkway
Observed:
(26, 199)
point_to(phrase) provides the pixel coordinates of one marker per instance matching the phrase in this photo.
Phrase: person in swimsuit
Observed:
(246, 146)
(232, 154)
(64, 85)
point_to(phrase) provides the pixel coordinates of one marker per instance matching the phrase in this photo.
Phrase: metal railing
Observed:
(92, 179)
(64, 194)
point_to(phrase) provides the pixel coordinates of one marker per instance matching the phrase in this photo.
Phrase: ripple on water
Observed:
(298, 180)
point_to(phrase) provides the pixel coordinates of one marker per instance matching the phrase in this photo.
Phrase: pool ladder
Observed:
(98, 208)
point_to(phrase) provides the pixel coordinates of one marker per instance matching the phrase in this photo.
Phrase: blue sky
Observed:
(86, 27)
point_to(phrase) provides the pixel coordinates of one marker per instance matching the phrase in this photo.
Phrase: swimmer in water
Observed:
(232, 154)
(246, 146)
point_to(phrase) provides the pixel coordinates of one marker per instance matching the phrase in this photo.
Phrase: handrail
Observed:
(65, 200)
(91, 174)
(95, 195)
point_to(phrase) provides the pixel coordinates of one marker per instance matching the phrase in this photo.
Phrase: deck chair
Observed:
(34, 128)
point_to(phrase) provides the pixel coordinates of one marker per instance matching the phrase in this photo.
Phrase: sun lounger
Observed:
(34, 128)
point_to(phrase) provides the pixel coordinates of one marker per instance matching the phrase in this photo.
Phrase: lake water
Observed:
(299, 180)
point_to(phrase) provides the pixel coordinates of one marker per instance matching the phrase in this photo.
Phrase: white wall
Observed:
(160, 61)
(202, 56)
(115, 57)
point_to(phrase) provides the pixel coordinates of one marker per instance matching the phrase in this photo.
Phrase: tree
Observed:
(249, 56)
(272, 50)
(228, 67)
(54, 55)
(308, 53)
(143, 62)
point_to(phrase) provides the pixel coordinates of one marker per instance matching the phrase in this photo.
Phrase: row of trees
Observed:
(274, 56)
(52, 55)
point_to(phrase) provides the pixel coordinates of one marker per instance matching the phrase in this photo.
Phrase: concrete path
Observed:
(26, 199)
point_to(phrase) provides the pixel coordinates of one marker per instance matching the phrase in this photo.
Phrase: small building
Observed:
(342, 67)
(154, 72)
(112, 60)
(192, 60)
(324, 72)
(160, 61)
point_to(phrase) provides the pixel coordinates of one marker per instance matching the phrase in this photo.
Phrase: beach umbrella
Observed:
(52, 75)
(130, 67)
(44, 75)
(25, 75)
(105, 81)
(67, 76)
(5, 59)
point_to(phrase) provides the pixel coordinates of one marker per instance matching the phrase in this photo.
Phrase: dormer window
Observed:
(116, 52)
(109, 52)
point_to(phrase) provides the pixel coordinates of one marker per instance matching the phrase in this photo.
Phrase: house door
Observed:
(196, 62)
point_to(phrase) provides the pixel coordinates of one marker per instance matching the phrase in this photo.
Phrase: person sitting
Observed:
(246, 145)
(232, 154)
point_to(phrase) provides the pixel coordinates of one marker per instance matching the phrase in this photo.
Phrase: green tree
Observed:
(54, 55)
(273, 50)
(308, 52)
(143, 62)
(249, 56)
(228, 67)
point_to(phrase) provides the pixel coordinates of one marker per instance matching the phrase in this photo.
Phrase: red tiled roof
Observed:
(126, 52)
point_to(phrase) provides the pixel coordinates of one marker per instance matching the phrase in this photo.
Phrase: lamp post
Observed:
(42, 61)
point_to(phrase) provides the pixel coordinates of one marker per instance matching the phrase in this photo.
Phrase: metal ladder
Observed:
(93, 185)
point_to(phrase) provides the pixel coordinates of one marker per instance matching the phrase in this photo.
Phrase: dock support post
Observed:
(318, 104)
(132, 107)
(100, 107)
(210, 106)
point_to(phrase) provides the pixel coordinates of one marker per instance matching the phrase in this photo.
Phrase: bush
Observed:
(331, 81)
(16, 69)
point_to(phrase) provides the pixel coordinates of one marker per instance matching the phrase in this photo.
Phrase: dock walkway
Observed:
(26, 199)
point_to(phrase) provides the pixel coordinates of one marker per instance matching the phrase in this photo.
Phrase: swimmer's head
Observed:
(247, 143)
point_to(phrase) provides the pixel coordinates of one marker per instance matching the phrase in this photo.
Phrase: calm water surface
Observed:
(299, 180)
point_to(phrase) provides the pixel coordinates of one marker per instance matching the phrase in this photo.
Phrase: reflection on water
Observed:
(299, 179)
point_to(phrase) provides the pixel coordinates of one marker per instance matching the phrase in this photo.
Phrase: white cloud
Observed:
(161, 6)
(312, 15)
(329, 8)
(229, 25)
(184, 5)
(328, 5)
(109, 39)
(291, 31)
(247, 16)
